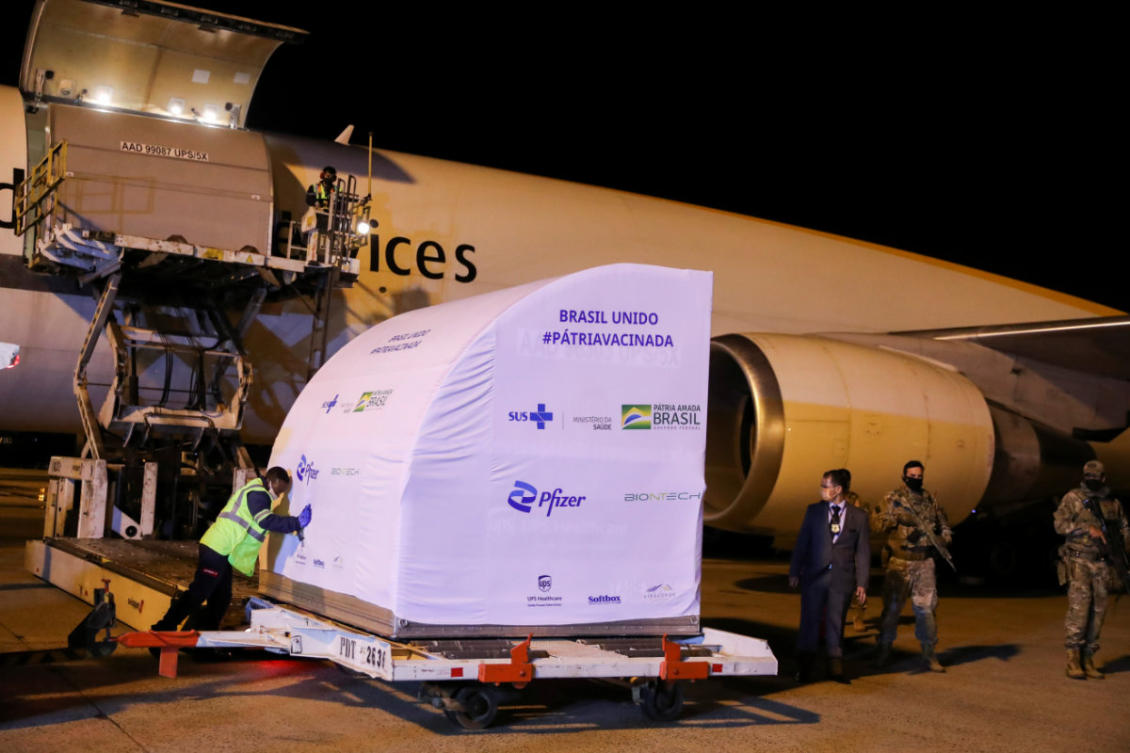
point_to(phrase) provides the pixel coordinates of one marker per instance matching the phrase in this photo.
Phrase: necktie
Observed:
(834, 525)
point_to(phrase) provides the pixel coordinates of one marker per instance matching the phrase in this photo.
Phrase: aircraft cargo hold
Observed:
(525, 461)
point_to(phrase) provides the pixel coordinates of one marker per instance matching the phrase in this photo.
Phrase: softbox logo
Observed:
(523, 496)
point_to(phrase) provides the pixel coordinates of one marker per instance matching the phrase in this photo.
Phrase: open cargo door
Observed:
(151, 57)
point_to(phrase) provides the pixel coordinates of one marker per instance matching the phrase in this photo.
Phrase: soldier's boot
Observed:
(931, 658)
(1089, 667)
(1074, 670)
(883, 655)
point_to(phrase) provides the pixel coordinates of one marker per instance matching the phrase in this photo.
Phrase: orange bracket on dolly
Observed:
(519, 670)
(169, 641)
(674, 668)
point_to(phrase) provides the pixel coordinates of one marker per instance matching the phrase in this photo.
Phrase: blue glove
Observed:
(304, 516)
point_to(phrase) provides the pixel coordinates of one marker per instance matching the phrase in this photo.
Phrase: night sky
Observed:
(981, 141)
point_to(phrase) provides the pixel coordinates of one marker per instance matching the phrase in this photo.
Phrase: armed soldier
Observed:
(1096, 529)
(916, 527)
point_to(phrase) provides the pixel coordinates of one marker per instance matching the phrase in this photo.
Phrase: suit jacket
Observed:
(849, 559)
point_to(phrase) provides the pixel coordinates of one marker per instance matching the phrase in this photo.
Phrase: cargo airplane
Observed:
(1002, 388)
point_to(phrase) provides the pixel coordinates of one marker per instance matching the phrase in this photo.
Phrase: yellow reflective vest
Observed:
(236, 533)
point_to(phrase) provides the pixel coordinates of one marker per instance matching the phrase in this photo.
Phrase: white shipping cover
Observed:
(532, 456)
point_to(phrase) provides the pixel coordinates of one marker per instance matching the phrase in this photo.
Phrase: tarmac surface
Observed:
(1004, 689)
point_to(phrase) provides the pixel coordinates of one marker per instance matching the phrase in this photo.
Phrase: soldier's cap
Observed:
(1093, 469)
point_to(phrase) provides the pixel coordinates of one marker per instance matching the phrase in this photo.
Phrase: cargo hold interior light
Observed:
(176, 106)
(103, 95)
(9, 355)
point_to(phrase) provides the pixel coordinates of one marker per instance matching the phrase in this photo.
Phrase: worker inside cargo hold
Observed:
(232, 541)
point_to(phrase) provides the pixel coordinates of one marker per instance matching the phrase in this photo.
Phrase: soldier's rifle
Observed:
(929, 533)
(1111, 544)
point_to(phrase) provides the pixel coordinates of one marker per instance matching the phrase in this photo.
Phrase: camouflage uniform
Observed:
(858, 609)
(910, 567)
(1088, 573)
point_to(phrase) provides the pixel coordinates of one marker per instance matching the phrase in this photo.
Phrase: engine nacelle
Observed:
(785, 408)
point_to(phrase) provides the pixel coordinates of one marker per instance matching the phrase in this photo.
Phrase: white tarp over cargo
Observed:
(532, 456)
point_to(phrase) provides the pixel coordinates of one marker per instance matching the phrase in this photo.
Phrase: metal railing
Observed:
(35, 195)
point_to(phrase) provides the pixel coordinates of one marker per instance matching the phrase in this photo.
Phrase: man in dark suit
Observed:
(831, 562)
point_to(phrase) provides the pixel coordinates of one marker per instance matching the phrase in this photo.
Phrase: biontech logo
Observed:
(523, 495)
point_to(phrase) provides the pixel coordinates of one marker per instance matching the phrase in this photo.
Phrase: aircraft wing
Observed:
(1098, 346)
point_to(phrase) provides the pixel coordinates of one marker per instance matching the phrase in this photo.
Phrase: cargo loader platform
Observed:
(143, 575)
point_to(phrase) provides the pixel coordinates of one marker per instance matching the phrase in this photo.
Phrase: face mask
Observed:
(914, 484)
(1094, 484)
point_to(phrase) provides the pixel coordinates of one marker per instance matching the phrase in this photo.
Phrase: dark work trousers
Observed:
(823, 605)
(211, 587)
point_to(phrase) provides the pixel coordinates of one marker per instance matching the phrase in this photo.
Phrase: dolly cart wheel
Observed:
(660, 700)
(479, 704)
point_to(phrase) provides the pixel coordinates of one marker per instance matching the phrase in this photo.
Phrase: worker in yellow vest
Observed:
(321, 193)
(232, 541)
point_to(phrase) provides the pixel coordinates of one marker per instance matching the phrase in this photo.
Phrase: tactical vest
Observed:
(236, 533)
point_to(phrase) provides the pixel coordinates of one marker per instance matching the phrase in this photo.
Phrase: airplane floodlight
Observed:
(176, 106)
(363, 227)
(103, 95)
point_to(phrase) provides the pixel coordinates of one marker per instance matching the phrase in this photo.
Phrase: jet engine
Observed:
(785, 408)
